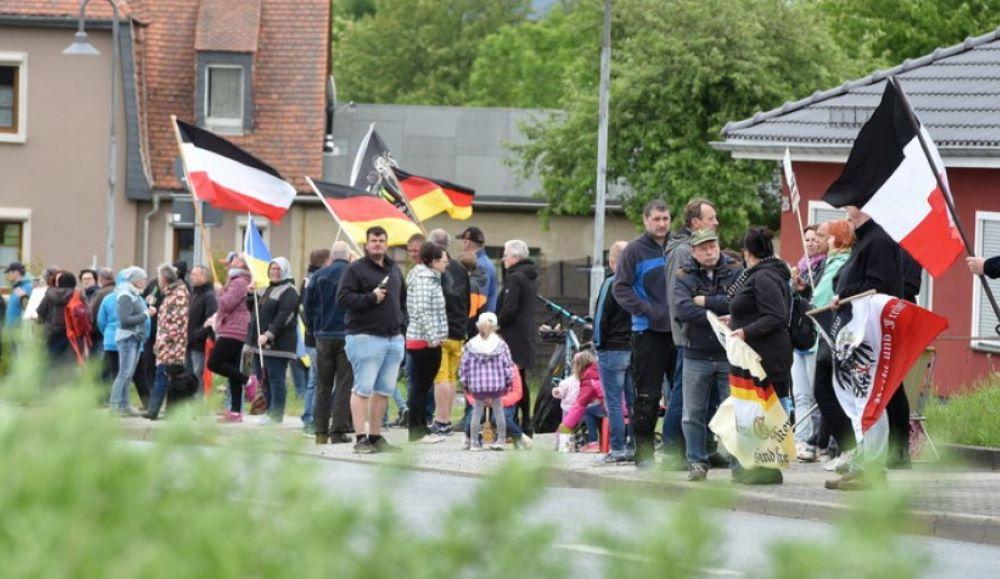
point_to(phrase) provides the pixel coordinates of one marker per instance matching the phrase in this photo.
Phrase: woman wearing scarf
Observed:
(272, 335)
(808, 272)
(133, 319)
(170, 347)
(760, 304)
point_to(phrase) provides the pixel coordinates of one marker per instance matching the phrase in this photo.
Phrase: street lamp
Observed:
(82, 47)
(597, 270)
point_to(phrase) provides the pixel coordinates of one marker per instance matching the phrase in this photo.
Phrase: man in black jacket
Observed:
(516, 308)
(455, 285)
(373, 293)
(202, 306)
(613, 342)
(876, 263)
(700, 286)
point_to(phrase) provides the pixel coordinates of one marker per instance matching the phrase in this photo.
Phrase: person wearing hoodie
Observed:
(455, 285)
(106, 322)
(487, 372)
(760, 302)
(273, 333)
(427, 329)
(231, 322)
(516, 309)
(641, 290)
(133, 319)
(20, 290)
(106, 286)
(52, 314)
(170, 347)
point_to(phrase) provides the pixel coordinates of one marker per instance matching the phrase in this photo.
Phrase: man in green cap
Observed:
(700, 285)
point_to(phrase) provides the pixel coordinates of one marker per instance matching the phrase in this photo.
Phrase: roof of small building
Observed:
(955, 91)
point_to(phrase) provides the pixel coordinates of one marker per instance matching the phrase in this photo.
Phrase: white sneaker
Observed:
(431, 439)
(466, 442)
(835, 463)
(805, 452)
(476, 448)
(497, 446)
(525, 442)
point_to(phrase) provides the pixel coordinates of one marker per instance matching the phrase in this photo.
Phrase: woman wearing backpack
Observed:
(170, 346)
(759, 304)
(278, 307)
(52, 314)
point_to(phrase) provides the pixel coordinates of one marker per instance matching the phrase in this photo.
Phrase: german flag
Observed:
(356, 210)
(428, 196)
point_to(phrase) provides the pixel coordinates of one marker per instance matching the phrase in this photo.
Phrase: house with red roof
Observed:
(956, 93)
(252, 70)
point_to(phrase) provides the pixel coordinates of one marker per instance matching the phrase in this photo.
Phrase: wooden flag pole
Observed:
(194, 200)
(795, 200)
(253, 285)
(846, 300)
(946, 190)
(333, 213)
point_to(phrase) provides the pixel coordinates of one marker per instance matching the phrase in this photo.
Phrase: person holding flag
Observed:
(272, 338)
(231, 321)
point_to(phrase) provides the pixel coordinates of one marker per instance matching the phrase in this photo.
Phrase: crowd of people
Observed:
(449, 321)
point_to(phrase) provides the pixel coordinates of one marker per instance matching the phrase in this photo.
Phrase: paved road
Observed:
(420, 496)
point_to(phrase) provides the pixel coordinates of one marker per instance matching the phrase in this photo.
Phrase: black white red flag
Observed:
(874, 342)
(889, 177)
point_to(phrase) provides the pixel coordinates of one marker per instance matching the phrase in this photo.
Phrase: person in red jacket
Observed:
(585, 370)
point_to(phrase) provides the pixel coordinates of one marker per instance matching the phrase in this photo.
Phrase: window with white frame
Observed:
(15, 237)
(13, 96)
(984, 320)
(224, 97)
(263, 225)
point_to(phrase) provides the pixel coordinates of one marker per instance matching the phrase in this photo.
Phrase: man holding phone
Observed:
(374, 296)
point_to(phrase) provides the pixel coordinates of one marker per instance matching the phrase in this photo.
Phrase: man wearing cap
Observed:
(20, 290)
(700, 286)
(474, 241)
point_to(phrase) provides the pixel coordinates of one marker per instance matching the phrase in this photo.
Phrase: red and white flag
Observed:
(227, 177)
(875, 341)
(889, 177)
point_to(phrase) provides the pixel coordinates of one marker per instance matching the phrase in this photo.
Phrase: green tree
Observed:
(894, 30)
(417, 51)
(529, 65)
(680, 70)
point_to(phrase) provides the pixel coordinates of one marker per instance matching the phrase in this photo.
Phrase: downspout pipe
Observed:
(145, 230)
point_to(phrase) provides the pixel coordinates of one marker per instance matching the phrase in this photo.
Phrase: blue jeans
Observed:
(672, 432)
(274, 375)
(803, 372)
(299, 377)
(159, 393)
(128, 358)
(375, 361)
(702, 379)
(617, 382)
(195, 363)
(592, 416)
(310, 393)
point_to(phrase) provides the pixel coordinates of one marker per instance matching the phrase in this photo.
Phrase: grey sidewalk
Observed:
(947, 503)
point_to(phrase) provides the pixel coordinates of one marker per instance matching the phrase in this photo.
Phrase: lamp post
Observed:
(597, 270)
(81, 47)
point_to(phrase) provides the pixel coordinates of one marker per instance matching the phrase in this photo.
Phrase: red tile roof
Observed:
(228, 25)
(289, 76)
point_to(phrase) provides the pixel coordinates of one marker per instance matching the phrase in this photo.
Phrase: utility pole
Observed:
(597, 269)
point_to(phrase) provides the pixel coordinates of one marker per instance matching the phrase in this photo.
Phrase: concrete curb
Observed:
(980, 456)
(942, 525)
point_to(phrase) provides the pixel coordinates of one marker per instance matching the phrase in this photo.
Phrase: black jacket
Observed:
(613, 326)
(516, 309)
(309, 339)
(279, 307)
(761, 308)
(364, 315)
(455, 285)
(202, 306)
(875, 263)
(692, 280)
(324, 318)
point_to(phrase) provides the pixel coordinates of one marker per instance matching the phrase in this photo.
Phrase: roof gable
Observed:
(955, 91)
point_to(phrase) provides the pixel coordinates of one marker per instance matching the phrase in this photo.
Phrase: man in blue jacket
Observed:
(20, 290)
(641, 290)
(324, 318)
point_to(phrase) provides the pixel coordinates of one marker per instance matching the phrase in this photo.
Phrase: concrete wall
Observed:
(60, 172)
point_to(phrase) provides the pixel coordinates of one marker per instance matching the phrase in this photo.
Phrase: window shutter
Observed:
(990, 246)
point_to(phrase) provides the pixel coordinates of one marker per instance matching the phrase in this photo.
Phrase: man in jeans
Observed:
(372, 291)
(613, 342)
(700, 285)
(641, 290)
(324, 318)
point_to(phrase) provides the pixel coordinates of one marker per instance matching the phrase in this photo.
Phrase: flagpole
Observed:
(795, 200)
(194, 199)
(391, 177)
(946, 190)
(334, 214)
